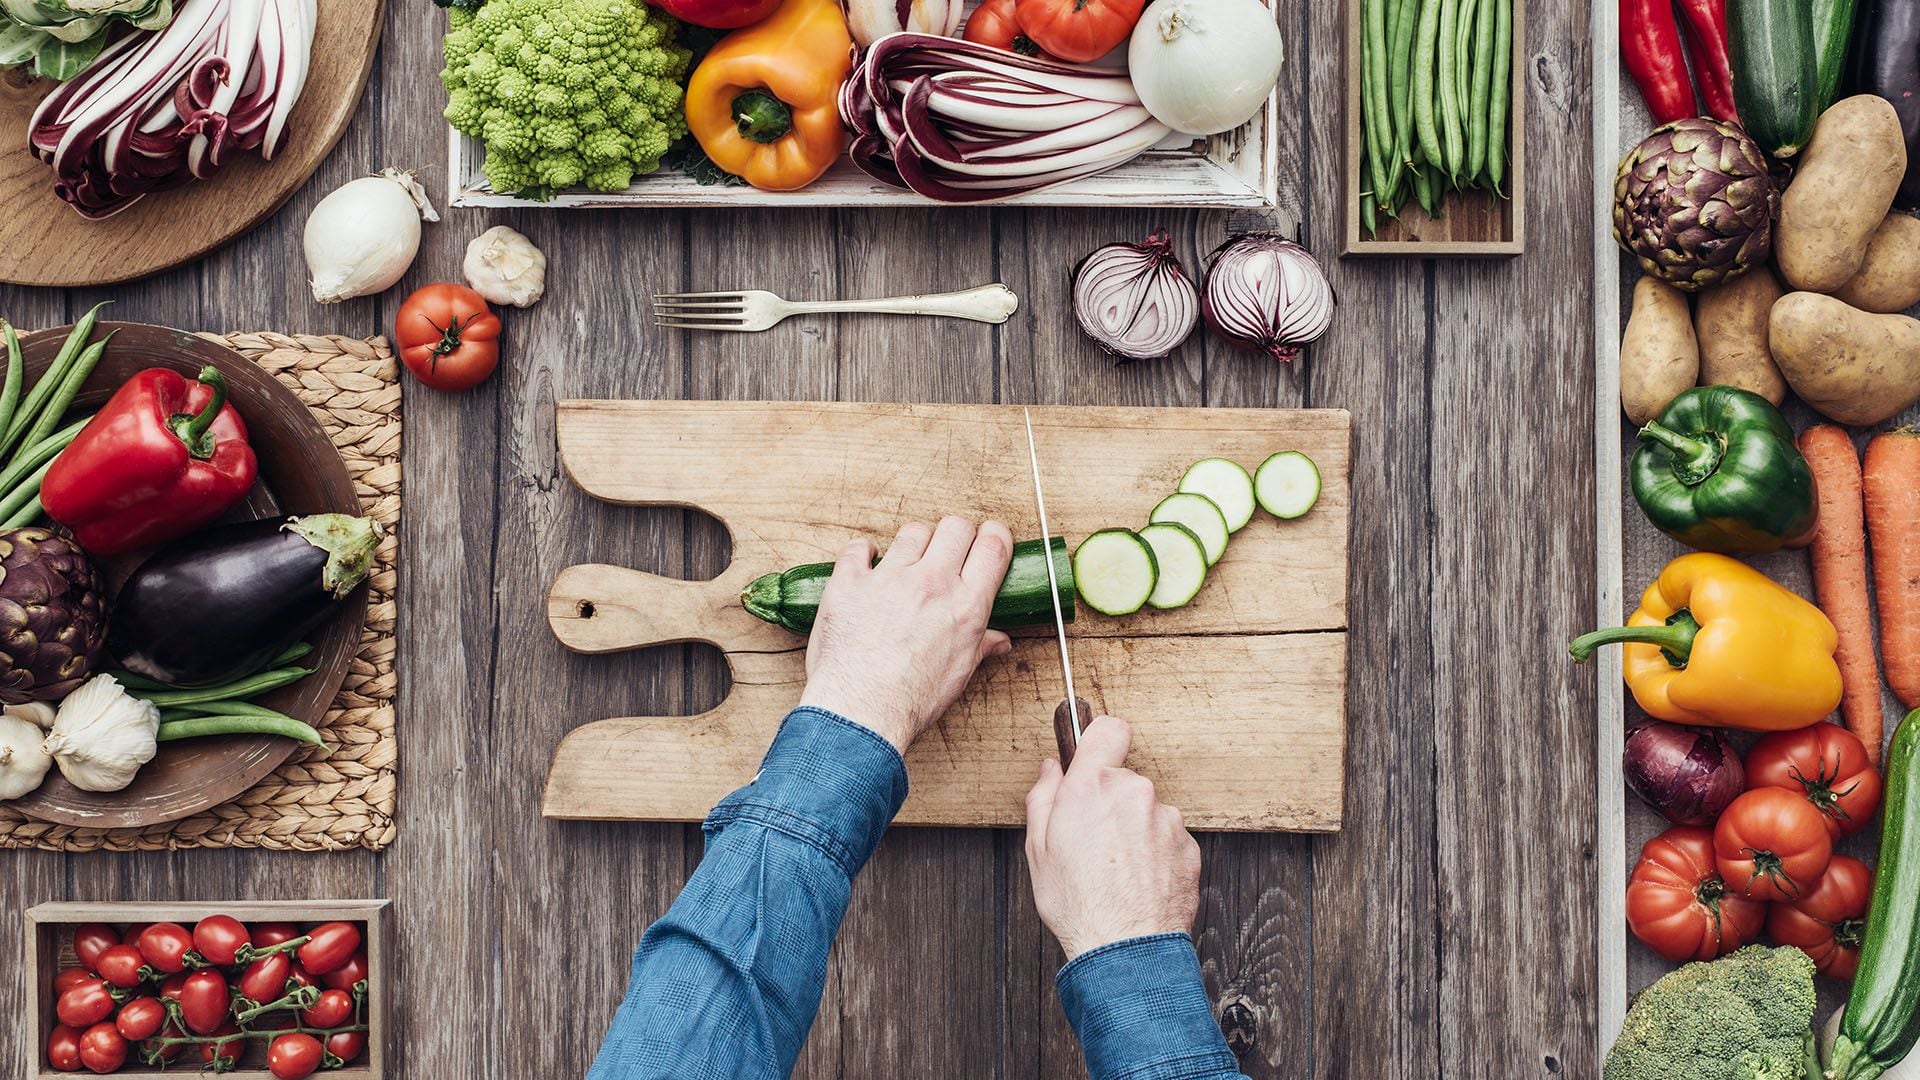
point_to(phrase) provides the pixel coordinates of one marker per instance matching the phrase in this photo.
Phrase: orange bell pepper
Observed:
(764, 104)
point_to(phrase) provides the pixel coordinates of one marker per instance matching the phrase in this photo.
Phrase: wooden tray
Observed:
(44, 242)
(1474, 225)
(1238, 700)
(48, 947)
(300, 473)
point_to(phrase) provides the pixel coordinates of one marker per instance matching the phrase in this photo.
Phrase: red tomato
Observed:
(217, 938)
(291, 1057)
(120, 966)
(993, 23)
(1078, 30)
(1679, 906)
(265, 979)
(1827, 923)
(92, 939)
(329, 947)
(718, 14)
(1826, 763)
(171, 985)
(84, 1004)
(448, 336)
(334, 1008)
(68, 977)
(267, 935)
(346, 1045)
(131, 935)
(102, 1050)
(165, 945)
(203, 1001)
(301, 976)
(355, 971)
(1771, 844)
(166, 1053)
(230, 1049)
(63, 1049)
(141, 1018)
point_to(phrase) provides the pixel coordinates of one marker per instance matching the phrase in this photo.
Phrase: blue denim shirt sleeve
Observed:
(1140, 1010)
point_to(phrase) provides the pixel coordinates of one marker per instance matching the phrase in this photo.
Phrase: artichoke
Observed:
(53, 616)
(1694, 203)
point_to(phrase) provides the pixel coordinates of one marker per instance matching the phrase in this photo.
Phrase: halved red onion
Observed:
(1266, 293)
(1134, 300)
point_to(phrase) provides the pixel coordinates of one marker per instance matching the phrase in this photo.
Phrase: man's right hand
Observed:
(1109, 860)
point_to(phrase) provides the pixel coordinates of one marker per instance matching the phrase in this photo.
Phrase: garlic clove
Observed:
(23, 760)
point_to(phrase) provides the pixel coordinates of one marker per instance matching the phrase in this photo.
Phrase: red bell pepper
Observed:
(165, 456)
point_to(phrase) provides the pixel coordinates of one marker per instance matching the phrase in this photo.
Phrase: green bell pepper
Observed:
(1719, 471)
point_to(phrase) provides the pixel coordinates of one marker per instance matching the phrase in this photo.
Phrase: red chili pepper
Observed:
(1706, 34)
(1650, 45)
(165, 456)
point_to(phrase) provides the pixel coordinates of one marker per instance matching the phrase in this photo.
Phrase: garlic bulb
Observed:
(23, 762)
(102, 735)
(38, 713)
(505, 267)
(363, 236)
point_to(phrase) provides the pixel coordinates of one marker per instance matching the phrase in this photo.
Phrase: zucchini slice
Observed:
(1115, 572)
(1196, 512)
(1227, 484)
(1182, 560)
(1287, 484)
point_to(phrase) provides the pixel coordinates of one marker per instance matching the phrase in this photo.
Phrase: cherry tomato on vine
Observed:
(170, 986)
(355, 971)
(120, 966)
(346, 1045)
(102, 1050)
(63, 1049)
(329, 946)
(448, 336)
(1826, 763)
(334, 1008)
(131, 936)
(294, 1056)
(266, 978)
(167, 1053)
(1771, 844)
(203, 1001)
(84, 1004)
(1829, 921)
(218, 938)
(68, 977)
(165, 945)
(268, 934)
(225, 1048)
(141, 1018)
(92, 939)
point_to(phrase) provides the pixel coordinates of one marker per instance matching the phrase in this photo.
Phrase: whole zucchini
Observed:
(792, 598)
(1882, 1021)
(1832, 34)
(1775, 71)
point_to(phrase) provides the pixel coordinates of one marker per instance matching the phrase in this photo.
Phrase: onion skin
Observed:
(1688, 774)
(1265, 293)
(1134, 300)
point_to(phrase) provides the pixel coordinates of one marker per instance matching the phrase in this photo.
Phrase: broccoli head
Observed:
(1745, 1016)
(565, 92)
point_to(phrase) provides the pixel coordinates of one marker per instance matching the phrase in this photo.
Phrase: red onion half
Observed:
(1688, 774)
(1134, 300)
(1266, 293)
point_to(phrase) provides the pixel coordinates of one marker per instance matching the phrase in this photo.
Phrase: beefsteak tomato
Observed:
(994, 23)
(1771, 844)
(1828, 765)
(448, 336)
(1678, 905)
(1829, 921)
(1078, 30)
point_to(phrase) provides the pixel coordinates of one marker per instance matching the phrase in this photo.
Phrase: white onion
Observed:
(1204, 66)
(1266, 293)
(1133, 300)
(363, 236)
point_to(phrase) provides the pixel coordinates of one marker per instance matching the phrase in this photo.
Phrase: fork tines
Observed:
(700, 311)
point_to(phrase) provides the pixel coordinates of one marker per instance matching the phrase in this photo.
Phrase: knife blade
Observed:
(1067, 722)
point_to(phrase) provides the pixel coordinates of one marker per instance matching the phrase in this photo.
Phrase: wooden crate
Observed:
(48, 947)
(1474, 225)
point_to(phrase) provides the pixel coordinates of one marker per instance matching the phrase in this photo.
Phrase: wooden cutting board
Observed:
(1237, 701)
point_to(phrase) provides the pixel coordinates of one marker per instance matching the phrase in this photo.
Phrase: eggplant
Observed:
(221, 604)
(1886, 61)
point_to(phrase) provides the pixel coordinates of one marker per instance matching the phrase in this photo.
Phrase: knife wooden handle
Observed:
(1063, 729)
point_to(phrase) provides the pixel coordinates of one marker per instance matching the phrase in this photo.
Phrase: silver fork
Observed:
(756, 309)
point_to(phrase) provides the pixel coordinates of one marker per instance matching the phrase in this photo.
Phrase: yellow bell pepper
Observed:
(1719, 644)
(765, 103)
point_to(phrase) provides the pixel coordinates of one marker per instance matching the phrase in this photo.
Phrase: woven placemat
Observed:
(342, 796)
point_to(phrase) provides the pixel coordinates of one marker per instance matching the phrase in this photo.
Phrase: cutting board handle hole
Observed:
(585, 609)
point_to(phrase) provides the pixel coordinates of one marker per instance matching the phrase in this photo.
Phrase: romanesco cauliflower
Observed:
(565, 92)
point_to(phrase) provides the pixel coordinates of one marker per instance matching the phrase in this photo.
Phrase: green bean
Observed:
(299, 650)
(1400, 83)
(1425, 41)
(26, 515)
(198, 726)
(37, 455)
(1373, 93)
(219, 708)
(1452, 147)
(20, 496)
(129, 681)
(69, 388)
(1463, 59)
(1500, 93)
(16, 373)
(1368, 220)
(49, 381)
(1479, 128)
(251, 686)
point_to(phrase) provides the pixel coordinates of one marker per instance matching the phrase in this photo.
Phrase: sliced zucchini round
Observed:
(1182, 559)
(1227, 484)
(1196, 512)
(1287, 484)
(1115, 572)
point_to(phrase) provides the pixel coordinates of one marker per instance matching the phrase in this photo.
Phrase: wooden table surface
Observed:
(1448, 931)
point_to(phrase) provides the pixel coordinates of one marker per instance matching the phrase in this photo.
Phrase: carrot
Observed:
(1893, 513)
(1840, 576)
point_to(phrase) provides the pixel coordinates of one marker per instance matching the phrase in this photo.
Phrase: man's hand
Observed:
(894, 645)
(1109, 860)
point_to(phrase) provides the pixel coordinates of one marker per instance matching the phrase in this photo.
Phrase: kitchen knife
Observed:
(1070, 716)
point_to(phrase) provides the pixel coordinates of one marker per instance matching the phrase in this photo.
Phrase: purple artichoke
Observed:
(53, 616)
(1695, 204)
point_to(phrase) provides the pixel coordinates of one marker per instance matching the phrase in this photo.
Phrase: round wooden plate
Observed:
(300, 473)
(44, 242)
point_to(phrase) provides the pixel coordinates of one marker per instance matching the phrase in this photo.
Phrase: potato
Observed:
(1659, 358)
(1889, 278)
(1851, 365)
(1840, 193)
(1730, 321)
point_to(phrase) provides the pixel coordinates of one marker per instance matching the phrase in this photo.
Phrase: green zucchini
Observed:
(792, 598)
(1832, 34)
(1770, 44)
(1882, 1021)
